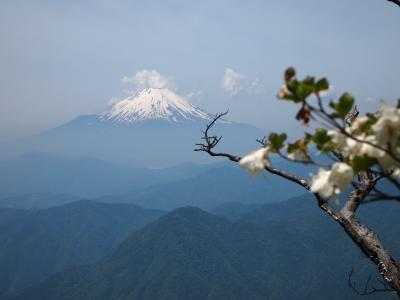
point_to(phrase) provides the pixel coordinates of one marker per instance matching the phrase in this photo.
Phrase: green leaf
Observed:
(301, 89)
(276, 141)
(310, 81)
(334, 115)
(308, 137)
(323, 141)
(293, 147)
(296, 91)
(290, 97)
(344, 105)
(362, 163)
(301, 144)
(289, 74)
(321, 136)
(322, 85)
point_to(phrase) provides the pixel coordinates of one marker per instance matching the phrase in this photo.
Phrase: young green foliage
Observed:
(343, 106)
(322, 85)
(276, 141)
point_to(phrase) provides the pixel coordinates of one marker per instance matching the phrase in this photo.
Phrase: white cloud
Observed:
(371, 99)
(256, 87)
(194, 95)
(232, 81)
(113, 100)
(149, 79)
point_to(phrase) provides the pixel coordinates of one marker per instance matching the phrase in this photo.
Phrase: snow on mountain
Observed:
(154, 103)
(132, 131)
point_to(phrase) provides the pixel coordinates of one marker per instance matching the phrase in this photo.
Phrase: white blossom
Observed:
(387, 128)
(255, 161)
(396, 173)
(354, 148)
(362, 145)
(341, 176)
(320, 184)
(386, 161)
(327, 183)
(298, 154)
(357, 124)
(283, 91)
(337, 137)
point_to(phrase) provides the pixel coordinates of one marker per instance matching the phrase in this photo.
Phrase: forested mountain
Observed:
(37, 243)
(42, 180)
(211, 188)
(37, 201)
(191, 254)
(43, 173)
(153, 128)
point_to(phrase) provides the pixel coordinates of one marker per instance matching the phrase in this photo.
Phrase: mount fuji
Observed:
(153, 128)
(154, 104)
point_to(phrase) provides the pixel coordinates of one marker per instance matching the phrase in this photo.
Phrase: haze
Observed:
(60, 59)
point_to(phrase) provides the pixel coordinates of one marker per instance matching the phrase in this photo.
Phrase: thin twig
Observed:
(397, 2)
(368, 289)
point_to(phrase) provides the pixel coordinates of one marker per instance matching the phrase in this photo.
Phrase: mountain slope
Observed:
(155, 128)
(190, 254)
(37, 201)
(153, 103)
(43, 180)
(40, 173)
(213, 187)
(35, 244)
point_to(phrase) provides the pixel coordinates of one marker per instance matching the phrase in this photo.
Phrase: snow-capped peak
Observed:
(152, 103)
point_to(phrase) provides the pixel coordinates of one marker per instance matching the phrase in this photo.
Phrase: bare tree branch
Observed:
(392, 180)
(368, 289)
(381, 197)
(366, 239)
(397, 2)
(212, 141)
(360, 193)
(262, 141)
(352, 116)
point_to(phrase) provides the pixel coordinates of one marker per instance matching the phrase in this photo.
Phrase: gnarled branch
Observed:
(397, 2)
(211, 141)
(366, 239)
(368, 288)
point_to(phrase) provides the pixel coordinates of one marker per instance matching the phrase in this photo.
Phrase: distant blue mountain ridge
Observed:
(155, 129)
(40, 180)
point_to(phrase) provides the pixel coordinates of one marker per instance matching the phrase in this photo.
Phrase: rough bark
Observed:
(369, 243)
(397, 2)
(365, 238)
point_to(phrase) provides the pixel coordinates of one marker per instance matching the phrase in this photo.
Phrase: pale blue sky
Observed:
(60, 59)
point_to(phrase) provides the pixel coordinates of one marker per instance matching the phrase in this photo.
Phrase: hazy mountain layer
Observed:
(37, 201)
(155, 128)
(190, 254)
(38, 173)
(35, 244)
(42, 180)
(214, 187)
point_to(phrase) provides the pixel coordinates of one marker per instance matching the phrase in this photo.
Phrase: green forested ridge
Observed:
(37, 243)
(191, 254)
(37, 201)
(214, 187)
